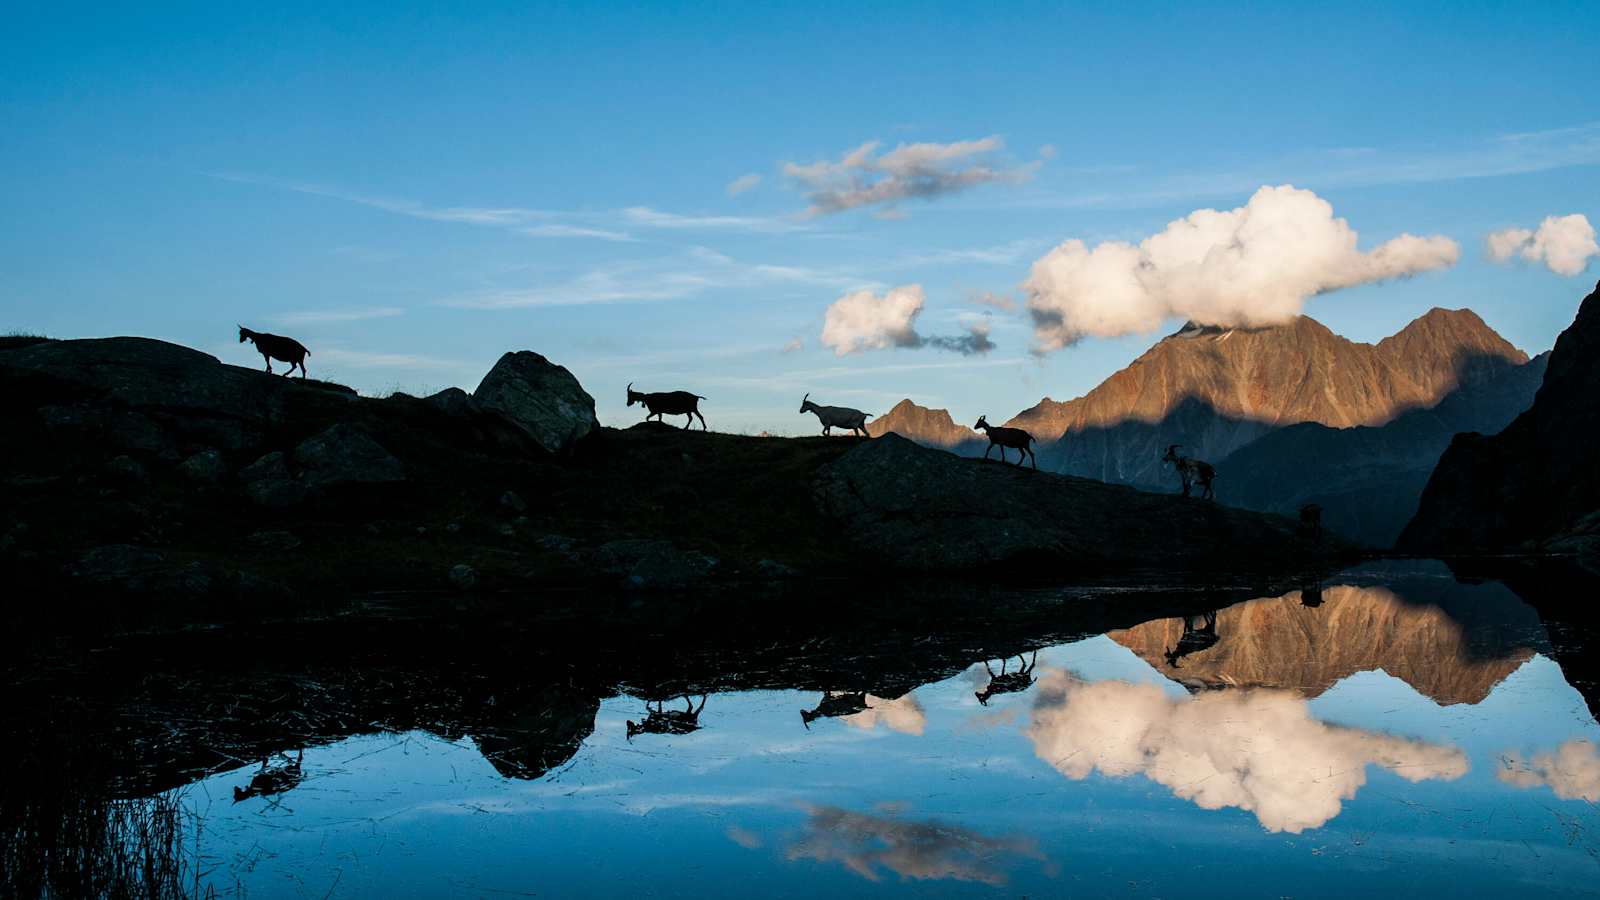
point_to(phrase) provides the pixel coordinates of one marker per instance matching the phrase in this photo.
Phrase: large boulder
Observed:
(922, 509)
(542, 399)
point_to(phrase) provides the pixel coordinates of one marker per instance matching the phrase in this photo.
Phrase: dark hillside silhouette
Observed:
(1536, 484)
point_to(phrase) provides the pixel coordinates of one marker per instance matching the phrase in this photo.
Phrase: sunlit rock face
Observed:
(1215, 390)
(1572, 771)
(903, 714)
(1256, 750)
(1280, 642)
(928, 427)
(868, 844)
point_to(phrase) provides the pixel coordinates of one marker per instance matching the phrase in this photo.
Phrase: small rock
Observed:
(127, 469)
(205, 467)
(463, 576)
(267, 481)
(453, 402)
(422, 530)
(274, 540)
(510, 500)
(115, 561)
(771, 568)
(653, 564)
(344, 454)
(453, 528)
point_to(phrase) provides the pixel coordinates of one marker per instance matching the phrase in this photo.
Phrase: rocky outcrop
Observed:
(923, 509)
(1454, 648)
(1368, 479)
(928, 427)
(539, 397)
(136, 391)
(1215, 390)
(1536, 482)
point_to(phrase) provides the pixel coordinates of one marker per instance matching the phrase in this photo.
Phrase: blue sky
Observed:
(412, 193)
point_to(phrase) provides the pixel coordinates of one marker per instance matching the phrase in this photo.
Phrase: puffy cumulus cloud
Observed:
(743, 183)
(924, 851)
(863, 177)
(1565, 244)
(863, 320)
(1250, 266)
(903, 714)
(1572, 771)
(1257, 750)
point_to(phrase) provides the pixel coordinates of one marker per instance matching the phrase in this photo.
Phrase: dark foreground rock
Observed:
(924, 509)
(1534, 486)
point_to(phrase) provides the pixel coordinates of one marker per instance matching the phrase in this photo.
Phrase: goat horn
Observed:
(806, 397)
(630, 387)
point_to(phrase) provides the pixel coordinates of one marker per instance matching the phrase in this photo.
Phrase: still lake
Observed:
(1387, 730)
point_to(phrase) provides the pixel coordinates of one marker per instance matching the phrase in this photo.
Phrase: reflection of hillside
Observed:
(921, 851)
(1256, 750)
(1454, 650)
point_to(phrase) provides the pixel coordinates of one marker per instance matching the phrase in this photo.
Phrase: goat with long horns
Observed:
(671, 403)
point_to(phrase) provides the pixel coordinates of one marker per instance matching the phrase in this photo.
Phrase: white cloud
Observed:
(1563, 243)
(921, 851)
(793, 345)
(903, 714)
(576, 231)
(1250, 266)
(1256, 750)
(863, 178)
(863, 320)
(994, 301)
(743, 183)
(1572, 771)
(324, 316)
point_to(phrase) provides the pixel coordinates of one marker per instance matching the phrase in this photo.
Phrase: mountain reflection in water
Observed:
(1405, 731)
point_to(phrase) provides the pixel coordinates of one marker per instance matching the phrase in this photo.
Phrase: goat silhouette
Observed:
(1195, 637)
(835, 704)
(668, 721)
(672, 403)
(1007, 437)
(268, 782)
(1008, 682)
(1192, 470)
(273, 346)
(833, 417)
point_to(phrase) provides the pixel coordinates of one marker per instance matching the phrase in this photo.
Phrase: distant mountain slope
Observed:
(1368, 479)
(1215, 390)
(1536, 483)
(1453, 649)
(928, 427)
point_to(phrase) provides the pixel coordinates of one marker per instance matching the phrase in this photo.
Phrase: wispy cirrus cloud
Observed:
(470, 215)
(743, 183)
(646, 217)
(329, 316)
(865, 178)
(675, 277)
(556, 230)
